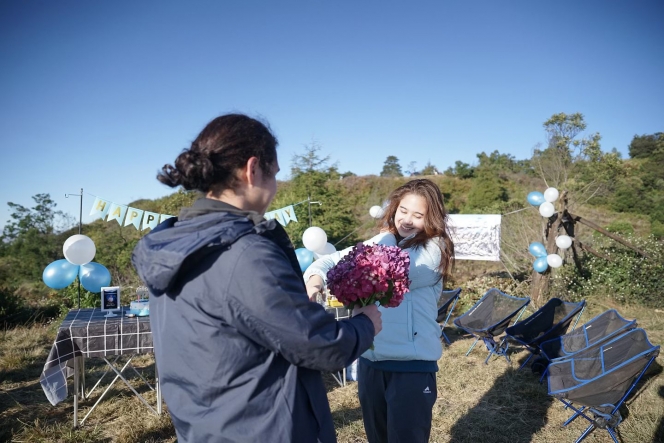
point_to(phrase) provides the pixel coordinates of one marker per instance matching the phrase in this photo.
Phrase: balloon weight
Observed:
(79, 249)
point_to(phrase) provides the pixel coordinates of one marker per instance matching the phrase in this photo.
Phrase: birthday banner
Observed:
(283, 215)
(141, 220)
(475, 236)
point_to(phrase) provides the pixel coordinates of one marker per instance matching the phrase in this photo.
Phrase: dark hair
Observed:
(435, 220)
(223, 146)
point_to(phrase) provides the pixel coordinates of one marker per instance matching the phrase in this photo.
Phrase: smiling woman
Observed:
(397, 378)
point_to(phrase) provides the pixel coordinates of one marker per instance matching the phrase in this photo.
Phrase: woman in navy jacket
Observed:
(238, 345)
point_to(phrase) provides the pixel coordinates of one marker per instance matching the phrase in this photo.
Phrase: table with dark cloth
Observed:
(89, 333)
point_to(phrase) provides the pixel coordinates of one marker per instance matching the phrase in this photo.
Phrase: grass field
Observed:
(476, 402)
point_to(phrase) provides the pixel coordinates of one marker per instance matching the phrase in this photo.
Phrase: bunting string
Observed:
(141, 220)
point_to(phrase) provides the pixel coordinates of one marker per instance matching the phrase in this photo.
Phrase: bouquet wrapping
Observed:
(370, 274)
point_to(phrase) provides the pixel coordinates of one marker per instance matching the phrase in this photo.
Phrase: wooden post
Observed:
(540, 281)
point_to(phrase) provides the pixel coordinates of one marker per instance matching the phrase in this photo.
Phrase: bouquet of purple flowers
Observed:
(369, 274)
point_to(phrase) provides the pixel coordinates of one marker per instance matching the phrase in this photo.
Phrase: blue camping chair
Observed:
(600, 328)
(596, 381)
(548, 322)
(489, 317)
(448, 298)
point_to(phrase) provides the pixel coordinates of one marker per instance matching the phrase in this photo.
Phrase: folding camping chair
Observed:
(445, 311)
(489, 318)
(600, 378)
(549, 321)
(600, 328)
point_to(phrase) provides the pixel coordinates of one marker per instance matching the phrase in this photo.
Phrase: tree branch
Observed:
(599, 229)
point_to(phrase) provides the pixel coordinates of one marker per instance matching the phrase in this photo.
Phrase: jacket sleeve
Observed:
(324, 264)
(268, 304)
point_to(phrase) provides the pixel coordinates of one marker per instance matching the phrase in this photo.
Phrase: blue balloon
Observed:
(305, 257)
(94, 276)
(60, 274)
(537, 249)
(540, 264)
(536, 198)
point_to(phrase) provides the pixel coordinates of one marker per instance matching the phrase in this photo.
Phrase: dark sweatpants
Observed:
(396, 406)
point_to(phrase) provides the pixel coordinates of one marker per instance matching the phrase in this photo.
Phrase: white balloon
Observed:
(563, 241)
(551, 195)
(326, 250)
(79, 249)
(314, 238)
(554, 260)
(376, 211)
(547, 209)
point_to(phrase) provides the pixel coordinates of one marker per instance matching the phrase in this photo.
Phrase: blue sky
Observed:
(101, 94)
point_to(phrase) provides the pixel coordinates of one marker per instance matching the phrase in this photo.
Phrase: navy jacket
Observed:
(239, 346)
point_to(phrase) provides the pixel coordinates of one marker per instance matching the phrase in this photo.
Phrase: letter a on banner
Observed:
(117, 212)
(150, 220)
(100, 207)
(134, 217)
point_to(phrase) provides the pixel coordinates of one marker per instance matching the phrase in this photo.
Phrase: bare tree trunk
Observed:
(540, 282)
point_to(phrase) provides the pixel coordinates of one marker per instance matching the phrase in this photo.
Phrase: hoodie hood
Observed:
(158, 257)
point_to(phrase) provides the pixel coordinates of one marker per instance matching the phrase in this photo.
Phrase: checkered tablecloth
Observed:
(88, 333)
(339, 313)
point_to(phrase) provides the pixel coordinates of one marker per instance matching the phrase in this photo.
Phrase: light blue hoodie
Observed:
(410, 331)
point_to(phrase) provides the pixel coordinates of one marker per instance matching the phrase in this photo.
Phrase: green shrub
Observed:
(628, 277)
(620, 227)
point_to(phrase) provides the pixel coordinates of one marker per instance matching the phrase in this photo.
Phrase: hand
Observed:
(373, 313)
(314, 286)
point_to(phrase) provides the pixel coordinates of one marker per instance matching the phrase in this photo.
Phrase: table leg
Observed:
(75, 392)
(82, 377)
(157, 387)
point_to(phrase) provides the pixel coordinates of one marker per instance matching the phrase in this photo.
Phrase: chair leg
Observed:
(586, 433)
(527, 360)
(472, 346)
(447, 340)
(578, 317)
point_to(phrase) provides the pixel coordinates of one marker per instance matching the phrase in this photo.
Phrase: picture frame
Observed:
(110, 300)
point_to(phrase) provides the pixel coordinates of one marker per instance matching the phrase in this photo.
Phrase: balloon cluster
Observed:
(315, 246)
(544, 201)
(543, 259)
(79, 250)
(315, 242)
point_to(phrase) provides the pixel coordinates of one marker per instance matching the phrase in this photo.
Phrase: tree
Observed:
(429, 169)
(391, 167)
(487, 192)
(644, 146)
(575, 164)
(412, 168)
(310, 161)
(461, 170)
(29, 240)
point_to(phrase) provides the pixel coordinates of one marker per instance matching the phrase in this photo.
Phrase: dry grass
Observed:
(476, 402)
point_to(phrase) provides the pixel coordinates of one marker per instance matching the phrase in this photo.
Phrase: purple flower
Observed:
(370, 273)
